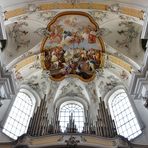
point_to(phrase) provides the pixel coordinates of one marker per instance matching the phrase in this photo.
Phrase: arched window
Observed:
(74, 108)
(19, 116)
(123, 115)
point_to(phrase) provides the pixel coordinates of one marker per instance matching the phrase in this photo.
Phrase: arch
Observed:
(91, 19)
(123, 114)
(75, 110)
(107, 96)
(19, 116)
(81, 100)
(32, 93)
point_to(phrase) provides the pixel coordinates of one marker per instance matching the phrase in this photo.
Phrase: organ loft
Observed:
(73, 74)
(39, 124)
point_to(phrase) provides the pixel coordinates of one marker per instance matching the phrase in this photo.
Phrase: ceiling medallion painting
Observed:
(72, 47)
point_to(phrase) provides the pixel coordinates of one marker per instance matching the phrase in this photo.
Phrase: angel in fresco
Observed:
(71, 40)
(54, 58)
(83, 54)
(67, 68)
(19, 34)
(78, 39)
(71, 21)
(92, 37)
(72, 47)
(90, 53)
(91, 64)
(68, 55)
(66, 40)
(67, 34)
(55, 34)
(85, 33)
(81, 70)
(47, 58)
(89, 34)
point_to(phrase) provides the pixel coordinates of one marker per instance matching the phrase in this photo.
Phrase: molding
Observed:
(87, 141)
(107, 96)
(81, 100)
(131, 100)
(28, 90)
(97, 6)
(31, 92)
(60, 140)
(8, 83)
(120, 62)
(139, 79)
(59, 76)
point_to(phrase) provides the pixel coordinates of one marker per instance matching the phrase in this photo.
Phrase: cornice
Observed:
(139, 79)
(20, 10)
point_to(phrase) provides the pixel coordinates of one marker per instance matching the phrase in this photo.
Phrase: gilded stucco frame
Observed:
(99, 38)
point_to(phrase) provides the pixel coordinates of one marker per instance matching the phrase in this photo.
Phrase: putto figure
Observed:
(72, 47)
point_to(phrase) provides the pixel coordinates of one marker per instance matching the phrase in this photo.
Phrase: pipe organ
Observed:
(71, 127)
(105, 126)
(39, 123)
(86, 123)
(55, 122)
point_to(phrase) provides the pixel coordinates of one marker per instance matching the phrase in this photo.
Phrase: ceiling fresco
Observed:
(127, 39)
(29, 45)
(32, 30)
(33, 75)
(72, 46)
(21, 38)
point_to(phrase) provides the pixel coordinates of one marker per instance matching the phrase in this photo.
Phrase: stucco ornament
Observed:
(73, 46)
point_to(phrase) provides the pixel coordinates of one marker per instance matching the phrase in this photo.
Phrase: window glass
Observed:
(78, 115)
(19, 116)
(123, 115)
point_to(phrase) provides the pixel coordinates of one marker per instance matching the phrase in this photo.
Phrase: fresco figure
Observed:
(72, 47)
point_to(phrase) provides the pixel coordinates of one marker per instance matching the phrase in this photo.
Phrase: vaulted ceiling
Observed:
(120, 32)
(138, 3)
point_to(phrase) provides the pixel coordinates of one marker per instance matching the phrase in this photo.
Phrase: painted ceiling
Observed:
(72, 46)
(136, 3)
(119, 31)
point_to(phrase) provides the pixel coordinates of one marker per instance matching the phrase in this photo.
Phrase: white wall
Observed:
(3, 109)
(3, 137)
(93, 108)
(143, 113)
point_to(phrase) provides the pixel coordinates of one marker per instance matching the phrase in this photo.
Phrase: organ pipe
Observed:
(105, 125)
(39, 123)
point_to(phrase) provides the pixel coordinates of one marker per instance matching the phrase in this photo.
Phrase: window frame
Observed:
(111, 98)
(32, 98)
(79, 128)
